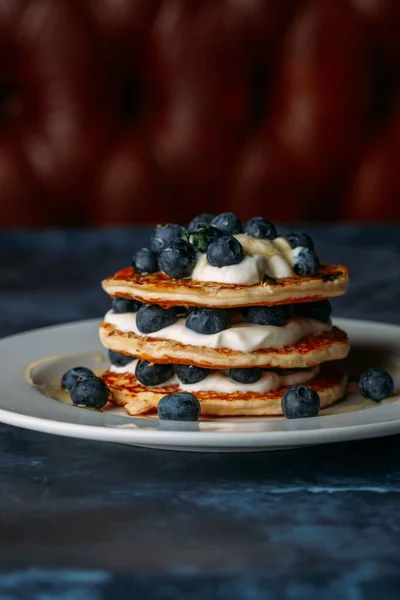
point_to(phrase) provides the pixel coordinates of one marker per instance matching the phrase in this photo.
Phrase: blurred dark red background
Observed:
(120, 111)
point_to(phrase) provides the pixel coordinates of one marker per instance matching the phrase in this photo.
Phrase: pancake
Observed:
(308, 352)
(330, 383)
(331, 281)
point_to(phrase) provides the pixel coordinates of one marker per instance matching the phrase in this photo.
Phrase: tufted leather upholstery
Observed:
(116, 111)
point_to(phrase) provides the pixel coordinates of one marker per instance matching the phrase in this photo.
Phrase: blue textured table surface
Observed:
(85, 520)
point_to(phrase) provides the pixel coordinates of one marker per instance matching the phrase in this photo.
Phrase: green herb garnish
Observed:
(202, 238)
(268, 279)
(329, 276)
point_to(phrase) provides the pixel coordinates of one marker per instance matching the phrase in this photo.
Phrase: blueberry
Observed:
(153, 373)
(177, 259)
(202, 238)
(289, 310)
(207, 320)
(165, 233)
(190, 373)
(245, 375)
(118, 359)
(200, 221)
(123, 305)
(307, 263)
(70, 378)
(180, 406)
(320, 311)
(267, 315)
(225, 251)
(145, 261)
(300, 402)
(151, 317)
(376, 384)
(91, 392)
(260, 228)
(228, 223)
(300, 239)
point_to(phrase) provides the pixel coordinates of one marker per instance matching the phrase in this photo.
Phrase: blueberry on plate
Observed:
(319, 311)
(70, 378)
(376, 384)
(123, 305)
(225, 251)
(151, 317)
(200, 221)
(207, 320)
(191, 374)
(153, 373)
(306, 263)
(90, 392)
(177, 259)
(180, 406)
(260, 228)
(245, 375)
(145, 261)
(300, 402)
(202, 238)
(267, 315)
(300, 239)
(228, 223)
(118, 359)
(165, 233)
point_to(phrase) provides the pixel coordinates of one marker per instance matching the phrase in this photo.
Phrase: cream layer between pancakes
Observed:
(242, 336)
(219, 381)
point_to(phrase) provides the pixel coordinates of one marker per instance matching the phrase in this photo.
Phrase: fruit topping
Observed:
(123, 305)
(376, 384)
(180, 406)
(260, 228)
(90, 392)
(70, 378)
(191, 374)
(177, 259)
(165, 233)
(200, 221)
(207, 320)
(300, 402)
(151, 318)
(118, 359)
(225, 251)
(145, 261)
(267, 315)
(228, 223)
(245, 375)
(153, 373)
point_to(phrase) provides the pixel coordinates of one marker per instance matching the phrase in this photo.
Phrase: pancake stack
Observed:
(238, 335)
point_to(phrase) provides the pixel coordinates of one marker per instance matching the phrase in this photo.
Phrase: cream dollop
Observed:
(248, 272)
(272, 257)
(241, 336)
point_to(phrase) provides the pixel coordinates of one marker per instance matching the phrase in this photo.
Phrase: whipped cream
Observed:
(272, 257)
(218, 381)
(248, 272)
(242, 336)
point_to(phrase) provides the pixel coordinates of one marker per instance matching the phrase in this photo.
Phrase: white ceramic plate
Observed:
(32, 364)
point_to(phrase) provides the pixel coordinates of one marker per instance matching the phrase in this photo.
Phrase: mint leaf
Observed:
(329, 276)
(268, 279)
